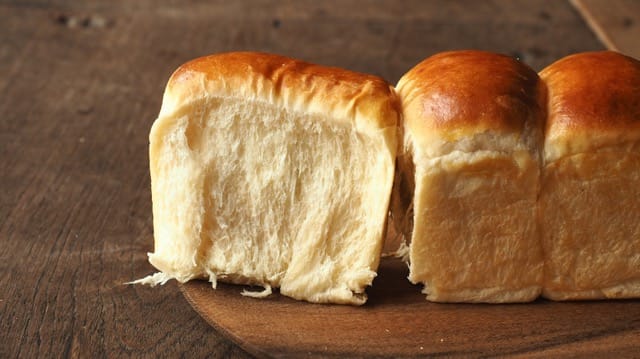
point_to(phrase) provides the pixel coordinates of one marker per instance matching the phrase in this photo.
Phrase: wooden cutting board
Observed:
(397, 321)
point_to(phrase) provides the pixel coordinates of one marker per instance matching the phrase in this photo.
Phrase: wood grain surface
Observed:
(615, 22)
(80, 85)
(397, 321)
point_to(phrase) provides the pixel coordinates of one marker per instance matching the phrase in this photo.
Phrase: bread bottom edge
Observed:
(496, 295)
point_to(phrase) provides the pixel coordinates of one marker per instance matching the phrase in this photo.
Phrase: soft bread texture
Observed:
(590, 197)
(468, 174)
(273, 172)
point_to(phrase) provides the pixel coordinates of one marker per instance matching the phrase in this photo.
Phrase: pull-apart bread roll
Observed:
(472, 132)
(273, 172)
(590, 197)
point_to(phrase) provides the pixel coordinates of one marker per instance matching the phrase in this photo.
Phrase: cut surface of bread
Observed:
(590, 197)
(273, 172)
(472, 134)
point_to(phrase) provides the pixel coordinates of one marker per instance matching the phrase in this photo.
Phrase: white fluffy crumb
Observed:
(261, 294)
(153, 279)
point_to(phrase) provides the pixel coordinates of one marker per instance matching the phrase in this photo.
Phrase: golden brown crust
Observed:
(462, 93)
(594, 102)
(293, 84)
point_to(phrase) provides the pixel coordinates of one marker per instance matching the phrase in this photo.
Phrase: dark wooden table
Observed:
(80, 85)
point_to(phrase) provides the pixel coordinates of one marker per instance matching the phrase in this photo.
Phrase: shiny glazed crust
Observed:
(460, 94)
(594, 103)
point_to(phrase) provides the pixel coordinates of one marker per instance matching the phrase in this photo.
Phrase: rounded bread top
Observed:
(345, 96)
(456, 95)
(593, 104)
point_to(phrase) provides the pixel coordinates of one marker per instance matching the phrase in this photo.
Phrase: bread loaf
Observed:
(590, 197)
(273, 172)
(468, 176)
